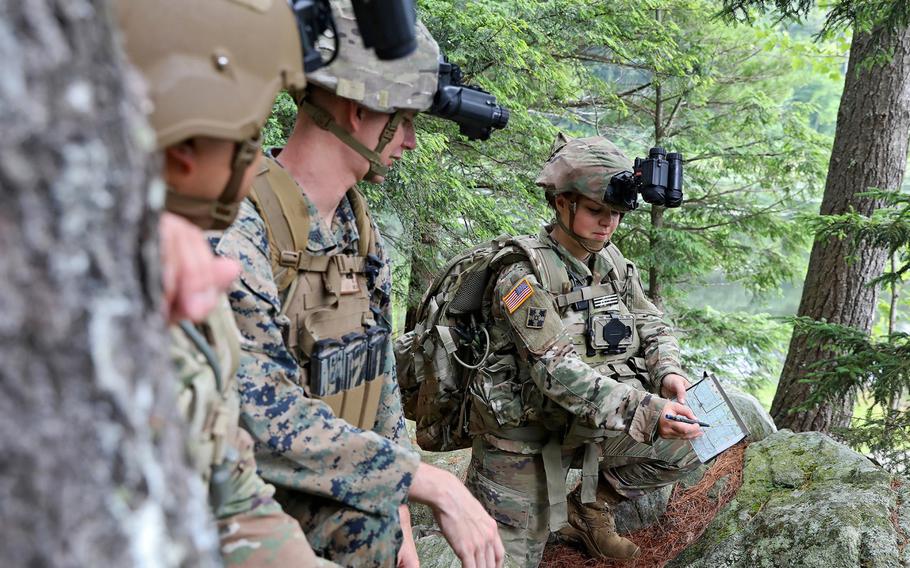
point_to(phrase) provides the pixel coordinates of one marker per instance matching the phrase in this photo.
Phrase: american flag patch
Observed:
(517, 295)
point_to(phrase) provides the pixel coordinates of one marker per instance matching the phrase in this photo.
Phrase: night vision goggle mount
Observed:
(659, 179)
(386, 27)
(474, 110)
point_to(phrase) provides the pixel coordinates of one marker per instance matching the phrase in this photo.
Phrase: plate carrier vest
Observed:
(326, 298)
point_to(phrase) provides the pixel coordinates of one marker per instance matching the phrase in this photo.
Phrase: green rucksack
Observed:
(449, 345)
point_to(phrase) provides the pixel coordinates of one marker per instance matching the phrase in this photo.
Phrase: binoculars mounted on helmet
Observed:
(474, 110)
(658, 178)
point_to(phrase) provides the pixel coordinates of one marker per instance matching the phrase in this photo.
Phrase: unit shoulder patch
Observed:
(518, 295)
(536, 318)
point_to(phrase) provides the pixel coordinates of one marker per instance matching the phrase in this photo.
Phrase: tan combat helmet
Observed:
(213, 68)
(583, 166)
(388, 87)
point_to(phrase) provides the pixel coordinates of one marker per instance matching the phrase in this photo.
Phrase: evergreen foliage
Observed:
(873, 365)
(749, 107)
(879, 368)
(858, 14)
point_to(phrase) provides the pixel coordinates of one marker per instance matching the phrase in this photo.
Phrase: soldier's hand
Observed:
(193, 277)
(674, 430)
(674, 386)
(464, 523)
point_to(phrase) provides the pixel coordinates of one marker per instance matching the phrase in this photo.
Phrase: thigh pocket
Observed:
(507, 506)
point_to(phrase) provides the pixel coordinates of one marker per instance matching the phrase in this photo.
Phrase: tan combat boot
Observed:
(592, 525)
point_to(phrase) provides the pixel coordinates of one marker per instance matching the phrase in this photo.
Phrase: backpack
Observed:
(438, 359)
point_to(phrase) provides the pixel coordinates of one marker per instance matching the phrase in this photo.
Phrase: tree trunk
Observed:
(93, 470)
(870, 151)
(655, 291)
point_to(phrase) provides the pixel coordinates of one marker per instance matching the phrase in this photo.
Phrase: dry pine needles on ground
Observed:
(688, 514)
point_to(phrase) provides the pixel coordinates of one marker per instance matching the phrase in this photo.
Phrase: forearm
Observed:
(661, 351)
(597, 400)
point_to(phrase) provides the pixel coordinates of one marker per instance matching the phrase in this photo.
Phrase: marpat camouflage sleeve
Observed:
(300, 442)
(390, 418)
(556, 368)
(659, 345)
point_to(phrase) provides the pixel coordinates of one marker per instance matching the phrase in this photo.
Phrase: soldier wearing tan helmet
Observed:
(577, 364)
(318, 386)
(212, 69)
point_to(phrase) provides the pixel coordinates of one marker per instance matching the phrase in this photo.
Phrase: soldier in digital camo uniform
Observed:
(317, 379)
(578, 358)
(212, 69)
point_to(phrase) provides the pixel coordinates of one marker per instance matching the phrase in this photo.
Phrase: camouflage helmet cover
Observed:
(213, 67)
(583, 166)
(356, 73)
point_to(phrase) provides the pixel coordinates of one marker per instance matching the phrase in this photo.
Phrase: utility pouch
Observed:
(327, 367)
(377, 342)
(355, 358)
(611, 332)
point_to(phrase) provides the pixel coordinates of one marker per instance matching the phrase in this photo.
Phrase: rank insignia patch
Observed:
(536, 317)
(517, 295)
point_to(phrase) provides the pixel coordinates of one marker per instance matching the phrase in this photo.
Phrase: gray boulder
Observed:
(806, 501)
(435, 552)
(760, 423)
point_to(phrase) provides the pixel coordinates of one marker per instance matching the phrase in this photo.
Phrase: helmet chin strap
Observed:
(326, 121)
(216, 214)
(590, 245)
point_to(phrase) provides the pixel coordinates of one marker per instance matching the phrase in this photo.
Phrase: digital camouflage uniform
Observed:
(253, 530)
(344, 484)
(308, 301)
(547, 399)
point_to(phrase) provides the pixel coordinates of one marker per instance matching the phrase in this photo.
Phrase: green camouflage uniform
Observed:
(253, 530)
(546, 400)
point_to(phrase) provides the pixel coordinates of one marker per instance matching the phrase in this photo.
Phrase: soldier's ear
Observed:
(180, 162)
(353, 115)
(561, 203)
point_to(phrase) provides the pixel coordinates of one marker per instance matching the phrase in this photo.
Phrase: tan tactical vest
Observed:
(206, 358)
(332, 332)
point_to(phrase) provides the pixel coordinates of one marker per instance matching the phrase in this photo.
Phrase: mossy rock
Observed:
(806, 501)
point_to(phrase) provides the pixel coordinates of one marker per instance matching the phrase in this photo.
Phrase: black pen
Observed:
(685, 420)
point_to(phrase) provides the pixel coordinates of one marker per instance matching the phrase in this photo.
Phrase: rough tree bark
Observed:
(92, 470)
(870, 151)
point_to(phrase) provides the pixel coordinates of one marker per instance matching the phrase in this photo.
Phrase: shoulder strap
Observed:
(548, 268)
(620, 264)
(287, 219)
(277, 198)
(365, 231)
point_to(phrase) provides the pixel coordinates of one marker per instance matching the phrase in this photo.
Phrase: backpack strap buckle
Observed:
(289, 258)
